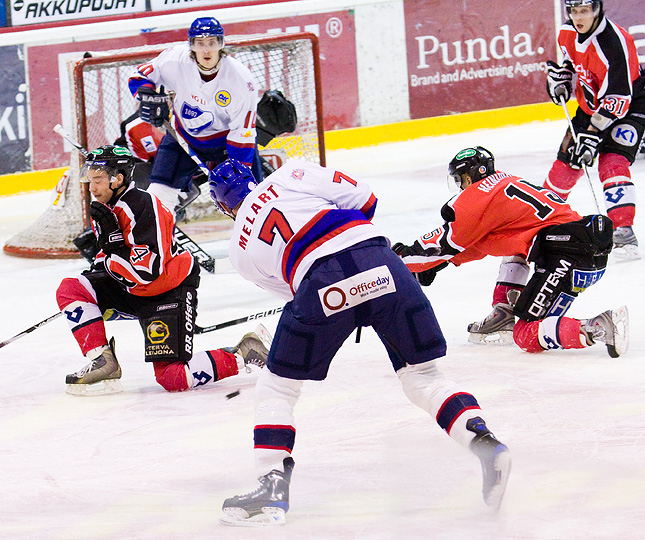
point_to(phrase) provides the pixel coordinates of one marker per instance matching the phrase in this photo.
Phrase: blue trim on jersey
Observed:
(323, 226)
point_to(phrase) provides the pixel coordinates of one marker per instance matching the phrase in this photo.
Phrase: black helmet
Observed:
(477, 162)
(112, 159)
(596, 5)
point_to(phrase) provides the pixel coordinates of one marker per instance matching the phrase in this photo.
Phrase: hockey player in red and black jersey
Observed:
(139, 273)
(610, 118)
(503, 215)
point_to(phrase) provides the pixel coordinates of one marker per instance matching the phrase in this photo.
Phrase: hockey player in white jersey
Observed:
(214, 105)
(305, 233)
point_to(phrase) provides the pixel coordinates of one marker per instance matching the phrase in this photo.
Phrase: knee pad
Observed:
(612, 166)
(74, 290)
(172, 376)
(525, 335)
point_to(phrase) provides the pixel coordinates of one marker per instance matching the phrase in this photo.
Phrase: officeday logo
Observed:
(357, 289)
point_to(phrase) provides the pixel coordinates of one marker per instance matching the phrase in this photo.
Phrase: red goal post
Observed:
(100, 99)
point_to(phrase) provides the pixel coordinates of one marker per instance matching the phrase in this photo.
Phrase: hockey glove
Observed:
(86, 243)
(154, 107)
(426, 277)
(585, 150)
(559, 81)
(108, 232)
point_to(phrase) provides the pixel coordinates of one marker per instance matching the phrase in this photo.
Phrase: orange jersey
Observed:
(150, 263)
(607, 65)
(499, 215)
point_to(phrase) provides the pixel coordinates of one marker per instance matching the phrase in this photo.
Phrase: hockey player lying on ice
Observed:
(305, 233)
(503, 215)
(140, 273)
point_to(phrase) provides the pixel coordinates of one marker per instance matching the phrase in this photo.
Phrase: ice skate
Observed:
(625, 244)
(103, 369)
(495, 329)
(253, 348)
(610, 327)
(267, 505)
(495, 461)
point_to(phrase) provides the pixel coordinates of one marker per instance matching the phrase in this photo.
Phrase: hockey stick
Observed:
(182, 142)
(198, 329)
(31, 329)
(204, 259)
(233, 322)
(575, 139)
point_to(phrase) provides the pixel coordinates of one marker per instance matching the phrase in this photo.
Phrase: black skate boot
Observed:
(495, 461)
(104, 369)
(267, 505)
(611, 328)
(253, 348)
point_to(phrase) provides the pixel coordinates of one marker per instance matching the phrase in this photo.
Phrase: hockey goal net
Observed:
(99, 100)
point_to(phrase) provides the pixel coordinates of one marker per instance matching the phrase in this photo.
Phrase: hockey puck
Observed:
(233, 394)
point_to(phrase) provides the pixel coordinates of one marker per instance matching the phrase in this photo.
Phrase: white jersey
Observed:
(220, 112)
(298, 214)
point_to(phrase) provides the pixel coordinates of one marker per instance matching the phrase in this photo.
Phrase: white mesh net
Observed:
(100, 100)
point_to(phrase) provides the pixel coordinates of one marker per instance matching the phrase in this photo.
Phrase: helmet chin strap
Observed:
(116, 193)
(208, 71)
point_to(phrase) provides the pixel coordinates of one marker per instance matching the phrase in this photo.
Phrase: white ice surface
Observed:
(146, 464)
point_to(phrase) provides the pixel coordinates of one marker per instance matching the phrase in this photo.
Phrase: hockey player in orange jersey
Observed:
(503, 215)
(610, 118)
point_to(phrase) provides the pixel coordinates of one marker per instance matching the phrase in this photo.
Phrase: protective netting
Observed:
(100, 100)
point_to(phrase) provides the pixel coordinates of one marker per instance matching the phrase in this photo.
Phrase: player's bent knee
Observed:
(72, 290)
(525, 335)
(612, 165)
(172, 376)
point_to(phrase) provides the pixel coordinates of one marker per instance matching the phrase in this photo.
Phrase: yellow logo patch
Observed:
(223, 98)
(158, 332)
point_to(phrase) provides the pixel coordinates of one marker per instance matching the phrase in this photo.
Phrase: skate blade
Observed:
(627, 252)
(502, 464)
(504, 337)
(101, 388)
(238, 517)
(620, 318)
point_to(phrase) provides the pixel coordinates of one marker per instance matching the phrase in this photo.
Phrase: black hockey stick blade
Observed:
(204, 259)
(260, 315)
(31, 329)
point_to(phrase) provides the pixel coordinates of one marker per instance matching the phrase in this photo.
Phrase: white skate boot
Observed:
(610, 327)
(625, 244)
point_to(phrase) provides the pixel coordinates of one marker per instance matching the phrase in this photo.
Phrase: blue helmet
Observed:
(206, 27)
(230, 182)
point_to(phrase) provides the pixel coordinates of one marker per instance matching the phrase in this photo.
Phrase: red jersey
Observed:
(140, 137)
(500, 215)
(606, 62)
(150, 263)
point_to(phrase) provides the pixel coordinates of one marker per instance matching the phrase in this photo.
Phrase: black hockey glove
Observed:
(426, 277)
(86, 243)
(154, 107)
(585, 150)
(402, 250)
(559, 81)
(108, 232)
(276, 115)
